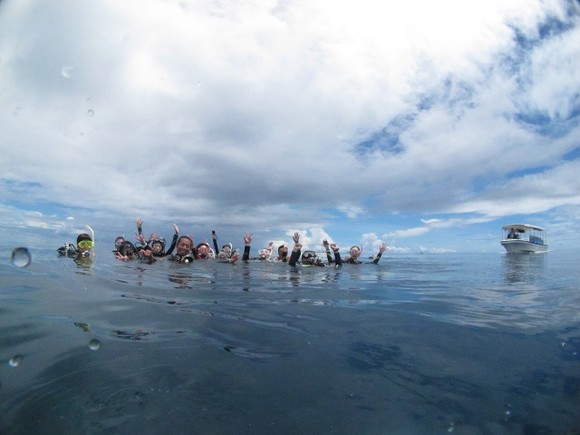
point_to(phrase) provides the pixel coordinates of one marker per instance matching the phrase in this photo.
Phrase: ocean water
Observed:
(419, 344)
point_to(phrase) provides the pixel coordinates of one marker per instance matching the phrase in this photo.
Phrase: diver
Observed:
(85, 248)
(282, 253)
(183, 250)
(310, 258)
(155, 242)
(203, 251)
(226, 254)
(264, 254)
(127, 251)
(67, 250)
(118, 243)
(355, 253)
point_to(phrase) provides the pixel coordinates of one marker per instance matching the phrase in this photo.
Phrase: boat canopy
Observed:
(522, 227)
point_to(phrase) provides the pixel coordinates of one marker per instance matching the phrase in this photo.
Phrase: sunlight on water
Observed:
(21, 257)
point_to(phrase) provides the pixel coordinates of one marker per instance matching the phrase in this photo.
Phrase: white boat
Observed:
(524, 238)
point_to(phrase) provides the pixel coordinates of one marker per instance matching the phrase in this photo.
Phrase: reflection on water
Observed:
(417, 344)
(524, 268)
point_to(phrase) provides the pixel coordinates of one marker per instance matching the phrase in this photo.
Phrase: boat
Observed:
(524, 238)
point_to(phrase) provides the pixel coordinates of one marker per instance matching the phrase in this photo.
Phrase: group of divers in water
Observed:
(186, 251)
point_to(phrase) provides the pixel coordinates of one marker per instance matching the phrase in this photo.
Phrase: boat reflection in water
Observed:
(523, 267)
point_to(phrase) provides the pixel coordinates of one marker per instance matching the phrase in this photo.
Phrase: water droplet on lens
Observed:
(91, 112)
(94, 344)
(21, 257)
(15, 361)
(67, 71)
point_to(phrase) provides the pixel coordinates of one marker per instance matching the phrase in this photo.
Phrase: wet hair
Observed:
(127, 248)
(185, 237)
(280, 250)
(83, 236)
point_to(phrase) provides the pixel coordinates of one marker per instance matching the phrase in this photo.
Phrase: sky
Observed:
(425, 125)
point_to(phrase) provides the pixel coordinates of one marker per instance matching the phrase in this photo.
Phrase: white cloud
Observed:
(409, 232)
(252, 113)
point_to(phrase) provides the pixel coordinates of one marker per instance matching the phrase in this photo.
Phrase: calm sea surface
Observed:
(450, 343)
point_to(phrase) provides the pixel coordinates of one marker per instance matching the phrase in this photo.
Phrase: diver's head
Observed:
(127, 249)
(84, 245)
(309, 257)
(264, 254)
(118, 242)
(203, 250)
(184, 245)
(82, 237)
(283, 250)
(158, 246)
(354, 252)
(227, 248)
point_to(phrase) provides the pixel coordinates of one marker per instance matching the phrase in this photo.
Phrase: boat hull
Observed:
(523, 246)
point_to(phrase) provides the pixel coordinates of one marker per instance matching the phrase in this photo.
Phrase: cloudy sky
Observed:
(424, 124)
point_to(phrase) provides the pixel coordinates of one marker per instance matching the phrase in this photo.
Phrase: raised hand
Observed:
(140, 238)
